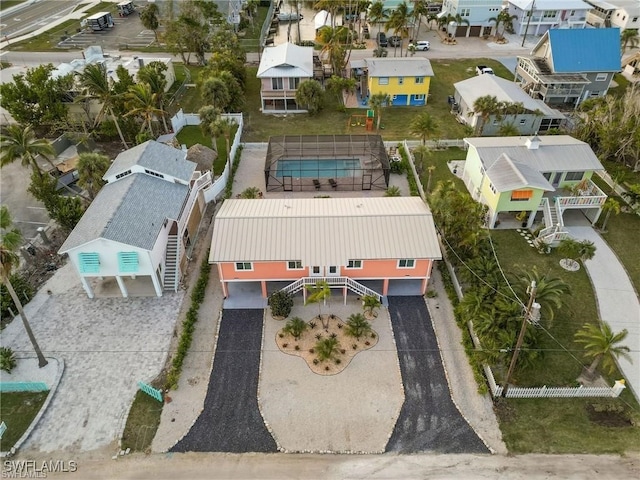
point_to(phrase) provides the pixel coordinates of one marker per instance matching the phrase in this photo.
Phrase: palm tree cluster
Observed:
(505, 112)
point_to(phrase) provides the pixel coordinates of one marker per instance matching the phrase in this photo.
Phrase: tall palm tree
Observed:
(208, 125)
(378, 14)
(628, 38)
(330, 6)
(508, 129)
(610, 206)
(377, 102)
(91, 168)
(398, 22)
(95, 82)
(21, 143)
(157, 81)
(602, 345)
(10, 240)
(419, 10)
(333, 41)
(318, 293)
(226, 126)
(141, 101)
(215, 93)
(504, 19)
(549, 291)
(577, 250)
(485, 107)
(423, 126)
(459, 20)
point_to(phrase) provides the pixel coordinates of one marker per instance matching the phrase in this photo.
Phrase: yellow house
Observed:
(405, 80)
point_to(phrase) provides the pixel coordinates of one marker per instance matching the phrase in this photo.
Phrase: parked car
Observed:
(483, 69)
(394, 41)
(422, 45)
(381, 40)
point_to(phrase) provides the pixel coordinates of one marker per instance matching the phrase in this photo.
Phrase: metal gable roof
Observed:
(507, 175)
(399, 67)
(286, 60)
(326, 231)
(130, 211)
(585, 49)
(159, 157)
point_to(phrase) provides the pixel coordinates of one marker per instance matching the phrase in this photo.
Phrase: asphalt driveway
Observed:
(429, 420)
(231, 420)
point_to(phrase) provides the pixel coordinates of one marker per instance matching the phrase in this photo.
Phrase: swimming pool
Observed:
(318, 168)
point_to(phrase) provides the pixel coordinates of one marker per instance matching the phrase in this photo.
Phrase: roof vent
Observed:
(533, 143)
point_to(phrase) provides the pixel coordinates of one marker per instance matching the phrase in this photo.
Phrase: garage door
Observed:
(399, 100)
(475, 31)
(461, 31)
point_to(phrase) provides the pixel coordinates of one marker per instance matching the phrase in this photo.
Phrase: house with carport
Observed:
(140, 227)
(282, 68)
(528, 115)
(367, 245)
(527, 180)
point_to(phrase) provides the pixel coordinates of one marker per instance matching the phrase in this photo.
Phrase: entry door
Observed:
(556, 179)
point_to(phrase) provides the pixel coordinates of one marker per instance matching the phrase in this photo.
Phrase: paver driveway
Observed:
(231, 420)
(429, 420)
(107, 344)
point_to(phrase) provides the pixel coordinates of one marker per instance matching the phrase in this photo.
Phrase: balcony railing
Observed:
(590, 196)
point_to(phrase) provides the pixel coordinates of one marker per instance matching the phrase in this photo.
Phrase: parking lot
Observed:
(127, 33)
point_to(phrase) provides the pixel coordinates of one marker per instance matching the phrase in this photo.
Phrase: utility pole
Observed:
(526, 29)
(532, 312)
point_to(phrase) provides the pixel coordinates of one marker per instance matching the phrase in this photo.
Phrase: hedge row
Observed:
(188, 325)
(413, 186)
(228, 189)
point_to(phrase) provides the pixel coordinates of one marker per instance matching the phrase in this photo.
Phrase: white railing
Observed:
(202, 182)
(589, 197)
(351, 284)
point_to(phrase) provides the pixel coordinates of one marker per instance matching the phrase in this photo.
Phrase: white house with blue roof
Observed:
(140, 226)
(568, 66)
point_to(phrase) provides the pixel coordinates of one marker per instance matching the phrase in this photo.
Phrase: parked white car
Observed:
(422, 45)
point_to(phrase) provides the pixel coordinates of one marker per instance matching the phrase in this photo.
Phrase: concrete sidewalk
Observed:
(617, 300)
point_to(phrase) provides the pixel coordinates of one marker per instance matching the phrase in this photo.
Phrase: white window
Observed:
(465, 12)
(294, 83)
(601, 77)
(419, 96)
(419, 80)
(354, 264)
(243, 266)
(570, 176)
(294, 265)
(333, 269)
(276, 84)
(493, 189)
(406, 263)
(383, 81)
(400, 80)
(550, 13)
(315, 270)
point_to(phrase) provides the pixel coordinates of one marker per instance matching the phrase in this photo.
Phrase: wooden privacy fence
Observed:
(7, 387)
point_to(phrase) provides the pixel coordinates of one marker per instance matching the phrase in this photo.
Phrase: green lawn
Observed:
(17, 411)
(142, 423)
(6, 4)
(623, 233)
(192, 134)
(250, 37)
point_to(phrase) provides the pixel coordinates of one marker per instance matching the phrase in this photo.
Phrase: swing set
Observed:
(366, 121)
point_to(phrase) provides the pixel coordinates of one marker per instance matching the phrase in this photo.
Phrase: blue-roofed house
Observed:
(139, 228)
(568, 66)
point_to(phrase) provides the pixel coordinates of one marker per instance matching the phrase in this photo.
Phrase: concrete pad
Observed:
(353, 411)
(108, 345)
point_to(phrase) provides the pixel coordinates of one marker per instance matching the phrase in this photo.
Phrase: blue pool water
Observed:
(326, 168)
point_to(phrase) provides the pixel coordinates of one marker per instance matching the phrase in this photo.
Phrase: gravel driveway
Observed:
(429, 420)
(231, 420)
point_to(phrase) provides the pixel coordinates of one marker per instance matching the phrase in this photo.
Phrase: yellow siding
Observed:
(409, 87)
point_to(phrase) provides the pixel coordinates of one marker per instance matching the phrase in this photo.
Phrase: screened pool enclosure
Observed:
(296, 163)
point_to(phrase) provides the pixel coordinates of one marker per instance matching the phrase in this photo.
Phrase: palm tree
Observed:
(91, 168)
(333, 41)
(577, 250)
(485, 107)
(140, 100)
(311, 95)
(369, 305)
(10, 240)
(377, 102)
(149, 18)
(153, 75)
(250, 192)
(318, 293)
(508, 129)
(423, 126)
(215, 93)
(602, 345)
(504, 19)
(208, 116)
(295, 327)
(21, 143)
(330, 6)
(610, 206)
(326, 348)
(420, 154)
(226, 126)
(458, 21)
(393, 191)
(95, 82)
(378, 14)
(419, 10)
(549, 291)
(357, 326)
(398, 21)
(628, 38)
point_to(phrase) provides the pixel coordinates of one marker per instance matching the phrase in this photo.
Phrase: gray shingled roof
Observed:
(130, 211)
(155, 156)
(506, 175)
(556, 153)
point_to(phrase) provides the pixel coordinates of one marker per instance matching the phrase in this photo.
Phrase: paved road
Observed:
(34, 16)
(429, 420)
(231, 420)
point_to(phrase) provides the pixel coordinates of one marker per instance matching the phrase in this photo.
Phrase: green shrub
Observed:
(281, 304)
(7, 359)
(234, 167)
